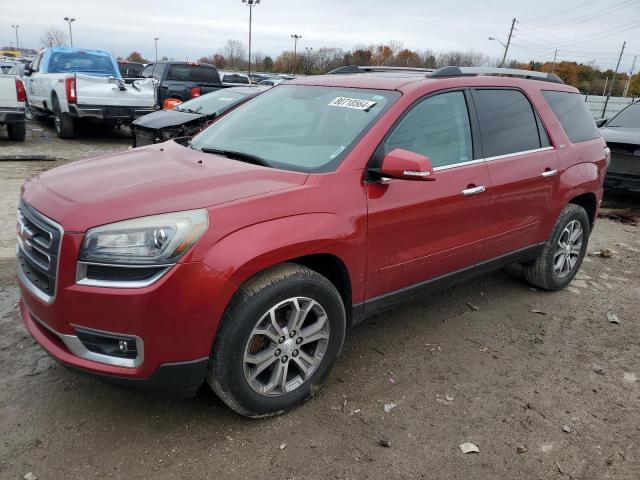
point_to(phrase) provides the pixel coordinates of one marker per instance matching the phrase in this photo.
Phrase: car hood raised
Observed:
(160, 178)
(621, 135)
(166, 118)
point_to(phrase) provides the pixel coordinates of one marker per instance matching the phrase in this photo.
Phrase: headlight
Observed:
(154, 240)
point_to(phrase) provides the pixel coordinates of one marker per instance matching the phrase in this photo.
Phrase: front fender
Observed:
(245, 252)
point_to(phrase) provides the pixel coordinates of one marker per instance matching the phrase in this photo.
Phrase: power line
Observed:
(560, 12)
(586, 17)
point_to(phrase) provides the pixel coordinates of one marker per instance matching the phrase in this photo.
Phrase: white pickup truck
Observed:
(73, 84)
(12, 109)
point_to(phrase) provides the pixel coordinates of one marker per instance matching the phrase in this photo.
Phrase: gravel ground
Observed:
(542, 383)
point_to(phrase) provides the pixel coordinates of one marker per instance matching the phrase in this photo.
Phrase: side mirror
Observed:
(405, 165)
(601, 121)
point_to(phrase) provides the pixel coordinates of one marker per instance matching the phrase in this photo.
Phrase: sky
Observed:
(581, 30)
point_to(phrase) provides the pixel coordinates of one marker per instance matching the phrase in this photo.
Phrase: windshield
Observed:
(629, 117)
(214, 102)
(297, 127)
(62, 62)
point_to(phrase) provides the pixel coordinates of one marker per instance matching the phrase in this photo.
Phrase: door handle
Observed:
(549, 173)
(473, 191)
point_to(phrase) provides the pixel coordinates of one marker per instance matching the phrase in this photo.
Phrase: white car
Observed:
(74, 83)
(235, 78)
(12, 108)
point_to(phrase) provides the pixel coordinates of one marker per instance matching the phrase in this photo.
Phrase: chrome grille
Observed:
(39, 240)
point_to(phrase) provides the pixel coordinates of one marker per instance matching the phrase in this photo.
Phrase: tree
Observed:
(408, 58)
(634, 86)
(136, 57)
(235, 53)
(53, 37)
(267, 63)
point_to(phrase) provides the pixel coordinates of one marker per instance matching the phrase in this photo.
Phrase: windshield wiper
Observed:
(243, 157)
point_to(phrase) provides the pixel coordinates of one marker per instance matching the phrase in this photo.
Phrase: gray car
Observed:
(622, 134)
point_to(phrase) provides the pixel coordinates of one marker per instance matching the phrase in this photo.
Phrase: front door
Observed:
(420, 230)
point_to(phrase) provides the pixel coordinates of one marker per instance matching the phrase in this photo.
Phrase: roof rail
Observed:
(508, 72)
(376, 68)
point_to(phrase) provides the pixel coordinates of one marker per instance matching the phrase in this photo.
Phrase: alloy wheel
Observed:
(286, 346)
(568, 249)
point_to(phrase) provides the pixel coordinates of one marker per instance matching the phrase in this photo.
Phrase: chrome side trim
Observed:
(489, 159)
(517, 154)
(76, 347)
(81, 276)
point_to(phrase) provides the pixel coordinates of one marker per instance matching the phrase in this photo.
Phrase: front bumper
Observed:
(12, 115)
(116, 114)
(173, 322)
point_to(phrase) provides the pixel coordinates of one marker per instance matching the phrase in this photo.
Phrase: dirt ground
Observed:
(542, 383)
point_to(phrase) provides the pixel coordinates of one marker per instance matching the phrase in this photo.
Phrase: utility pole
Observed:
(155, 39)
(309, 50)
(633, 66)
(15, 27)
(606, 82)
(69, 20)
(250, 4)
(295, 37)
(553, 67)
(506, 48)
(613, 81)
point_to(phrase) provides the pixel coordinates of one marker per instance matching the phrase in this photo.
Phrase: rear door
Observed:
(523, 167)
(421, 230)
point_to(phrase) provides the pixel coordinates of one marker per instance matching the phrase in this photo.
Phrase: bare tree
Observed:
(53, 37)
(234, 53)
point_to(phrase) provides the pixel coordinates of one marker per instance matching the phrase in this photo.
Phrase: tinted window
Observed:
(235, 78)
(573, 114)
(629, 117)
(437, 127)
(507, 122)
(193, 73)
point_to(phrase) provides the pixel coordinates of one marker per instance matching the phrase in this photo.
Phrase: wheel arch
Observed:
(589, 202)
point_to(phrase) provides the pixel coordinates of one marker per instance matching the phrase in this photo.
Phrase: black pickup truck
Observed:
(183, 80)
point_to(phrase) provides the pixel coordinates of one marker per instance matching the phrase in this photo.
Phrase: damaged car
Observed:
(622, 134)
(190, 117)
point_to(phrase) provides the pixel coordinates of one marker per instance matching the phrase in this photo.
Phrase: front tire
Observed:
(280, 336)
(563, 252)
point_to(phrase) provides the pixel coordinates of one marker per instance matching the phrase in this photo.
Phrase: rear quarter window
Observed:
(573, 114)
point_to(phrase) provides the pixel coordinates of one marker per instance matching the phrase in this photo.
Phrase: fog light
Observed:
(123, 345)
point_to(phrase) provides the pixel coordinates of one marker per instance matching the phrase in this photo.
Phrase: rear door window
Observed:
(437, 127)
(507, 122)
(573, 114)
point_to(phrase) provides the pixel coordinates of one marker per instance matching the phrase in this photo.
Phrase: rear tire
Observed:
(62, 121)
(17, 131)
(261, 341)
(563, 252)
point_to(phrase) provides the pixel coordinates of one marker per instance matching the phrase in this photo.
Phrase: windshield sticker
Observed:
(353, 103)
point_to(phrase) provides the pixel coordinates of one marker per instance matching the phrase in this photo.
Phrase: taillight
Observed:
(20, 91)
(195, 92)
(70, 88)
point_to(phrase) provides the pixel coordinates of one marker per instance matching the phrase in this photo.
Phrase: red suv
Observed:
(241, 256)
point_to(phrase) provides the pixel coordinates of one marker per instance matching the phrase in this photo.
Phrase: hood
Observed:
(166, 118)
(165, 177)
(621, 135)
